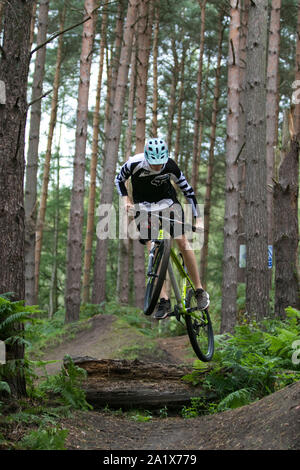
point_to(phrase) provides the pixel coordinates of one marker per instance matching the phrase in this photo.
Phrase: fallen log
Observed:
(136, 384)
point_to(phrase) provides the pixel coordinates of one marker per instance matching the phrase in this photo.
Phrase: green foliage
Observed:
(195, 409)
(50, 438)
(13, 316)
(68, 385)
(252, 363)
(141, 417)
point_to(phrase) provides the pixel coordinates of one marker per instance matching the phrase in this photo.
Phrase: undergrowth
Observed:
(254, 362)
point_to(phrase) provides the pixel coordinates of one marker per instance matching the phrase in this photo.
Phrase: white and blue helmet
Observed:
(156, 151)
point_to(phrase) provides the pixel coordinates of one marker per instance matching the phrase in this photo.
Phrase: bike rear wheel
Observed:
(157, 276)
(199, 329)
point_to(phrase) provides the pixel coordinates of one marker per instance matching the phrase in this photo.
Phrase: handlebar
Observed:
(190, 228)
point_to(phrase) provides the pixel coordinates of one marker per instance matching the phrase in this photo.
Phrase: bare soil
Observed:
(272, 423)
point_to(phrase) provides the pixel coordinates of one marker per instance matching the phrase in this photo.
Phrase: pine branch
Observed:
(55, 35)
(40, 97)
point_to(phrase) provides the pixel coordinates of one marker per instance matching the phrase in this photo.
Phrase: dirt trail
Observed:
(103, 338)
(272, 423)
(269, 424)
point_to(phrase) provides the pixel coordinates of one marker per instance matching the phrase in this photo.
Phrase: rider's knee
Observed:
(183, 243)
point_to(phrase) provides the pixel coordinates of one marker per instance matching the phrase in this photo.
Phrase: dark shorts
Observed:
(171, 220)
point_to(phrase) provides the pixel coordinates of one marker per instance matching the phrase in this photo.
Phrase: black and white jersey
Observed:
(150, 186)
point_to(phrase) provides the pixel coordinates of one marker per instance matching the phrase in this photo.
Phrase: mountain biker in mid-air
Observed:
(151, 173)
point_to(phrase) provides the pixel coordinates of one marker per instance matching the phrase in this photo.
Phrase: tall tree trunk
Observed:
(155, 78)
(180, 101)
(257, 276)
(272, 108)
(172, 103)
(14, 65)
(33, 18)
(131, 102)
(202, 113)
(93, 168)
(229, 286)
(198, 99)
(112, 149)
(32, 156)
(286, 190)
(209, 178)
(113, 73)
(44, 192)
(143, 44)
(1, 13)
(242, 122)
(74, 255)
(125, 245)
(53, 294)
(286, 233)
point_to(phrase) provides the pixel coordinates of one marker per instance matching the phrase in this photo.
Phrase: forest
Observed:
(83, 85)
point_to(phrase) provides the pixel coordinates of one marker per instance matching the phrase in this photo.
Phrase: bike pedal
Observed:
(177, 313)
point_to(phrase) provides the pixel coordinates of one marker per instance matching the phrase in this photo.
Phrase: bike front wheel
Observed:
(157, 276)
(199, 328)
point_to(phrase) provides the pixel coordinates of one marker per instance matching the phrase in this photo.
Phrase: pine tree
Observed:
(14, 65)
(74, 266)
(229, 288)
(32, 155)
(109, 169)
(256, 230)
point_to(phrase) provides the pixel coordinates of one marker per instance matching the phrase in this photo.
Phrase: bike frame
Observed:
(180, 296)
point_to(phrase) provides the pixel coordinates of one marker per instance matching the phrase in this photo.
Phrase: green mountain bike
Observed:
(163, 258)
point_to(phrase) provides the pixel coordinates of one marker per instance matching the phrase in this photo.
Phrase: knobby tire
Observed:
(203, 351)
(154, 284)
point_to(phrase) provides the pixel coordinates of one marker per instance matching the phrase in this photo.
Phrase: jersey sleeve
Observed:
(187, 190)
(121, 178)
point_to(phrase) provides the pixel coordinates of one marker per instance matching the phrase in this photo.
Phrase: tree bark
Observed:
(272, 108)
(1, 13)
(136, 384)
(53, 292)
(180, 101)
(125, 245)
(32, 157)
(113, 72)
(241, 276)
(93, 168)
(172, 103)
(14, 65)
(229, 286)
(202, 113)
(143, 45)
(33, 18)
(210, 168)
(286, 234)
(257, 276)
(46, 174)
(74, 248)
(155, 77)
(112, 149)
(198, 99)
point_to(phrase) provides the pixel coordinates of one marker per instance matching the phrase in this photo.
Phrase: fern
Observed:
(4, 387)
(45, 439)
(67, 384)
(236, 399)
(18, 317)
(253, 362)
